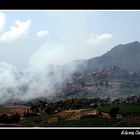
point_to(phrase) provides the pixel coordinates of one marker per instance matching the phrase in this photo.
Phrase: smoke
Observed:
(45, 76)
(9, 81)
(51, 66)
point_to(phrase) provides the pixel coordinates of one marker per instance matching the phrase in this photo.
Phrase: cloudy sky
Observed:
(30, 38)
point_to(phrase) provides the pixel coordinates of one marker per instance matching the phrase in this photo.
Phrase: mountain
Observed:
(125, 56)
(115, 74)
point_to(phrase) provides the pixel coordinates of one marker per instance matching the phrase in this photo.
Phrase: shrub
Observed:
(114, 111)
(14, 118)
(4, 118)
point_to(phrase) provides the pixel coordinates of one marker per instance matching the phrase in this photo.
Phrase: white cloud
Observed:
(16, 32)
(99, 39)
(42, 33)
(2, 20)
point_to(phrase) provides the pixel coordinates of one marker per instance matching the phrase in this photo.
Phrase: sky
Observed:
(30, 38)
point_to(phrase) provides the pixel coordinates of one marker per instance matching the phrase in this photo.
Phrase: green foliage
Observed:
(15, 118)
(124, 108)
(4, 118)
(85, 122)
(28, 114)
(34, 121)
(75, 103)
(114, 111)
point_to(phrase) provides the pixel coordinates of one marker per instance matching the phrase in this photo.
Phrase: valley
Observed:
(102, 92)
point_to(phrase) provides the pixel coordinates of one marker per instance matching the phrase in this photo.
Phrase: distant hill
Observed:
(125, 56)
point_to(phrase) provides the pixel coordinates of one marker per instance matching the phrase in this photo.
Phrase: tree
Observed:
(4, 118)
(49, 110)
(114, 111)
(14, 118)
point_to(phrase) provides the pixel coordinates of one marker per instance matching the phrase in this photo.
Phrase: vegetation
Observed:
(56, 113)
(124, 107)
(4, 118)
(85, 122)
(34, 120)
(114, 111)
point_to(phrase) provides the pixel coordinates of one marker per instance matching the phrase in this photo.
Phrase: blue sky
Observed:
(29, 38)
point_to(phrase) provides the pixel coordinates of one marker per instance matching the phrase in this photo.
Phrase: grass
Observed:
(34, 121)
(86, 122)
(124, 108)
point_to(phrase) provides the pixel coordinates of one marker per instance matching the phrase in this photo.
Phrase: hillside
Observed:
(125, 56)
(114, 74)
(111, 82)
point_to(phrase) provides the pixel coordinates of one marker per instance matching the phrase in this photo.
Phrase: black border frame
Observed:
(66, 5)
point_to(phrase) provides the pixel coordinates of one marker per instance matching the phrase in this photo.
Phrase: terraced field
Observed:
(12, 109)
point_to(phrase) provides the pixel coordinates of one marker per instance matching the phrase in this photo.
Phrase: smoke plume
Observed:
(44, 77)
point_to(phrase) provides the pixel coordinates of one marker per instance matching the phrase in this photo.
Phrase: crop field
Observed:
(124, 108)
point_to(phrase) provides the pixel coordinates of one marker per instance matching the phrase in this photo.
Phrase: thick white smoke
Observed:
(44, 77)
(50, 66)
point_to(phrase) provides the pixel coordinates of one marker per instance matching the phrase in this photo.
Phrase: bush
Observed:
(4, 118)
(114, 111)
(28, 114)
(15, 118)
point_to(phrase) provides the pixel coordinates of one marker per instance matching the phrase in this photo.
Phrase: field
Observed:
(94, 121)
(77, 117)
(12, 109)
(70, 118)
(124, 108)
